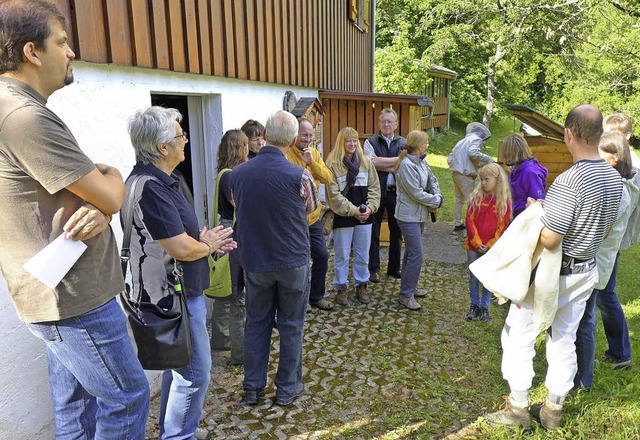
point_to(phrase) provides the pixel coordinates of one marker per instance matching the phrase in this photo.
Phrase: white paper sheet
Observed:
(53, 262)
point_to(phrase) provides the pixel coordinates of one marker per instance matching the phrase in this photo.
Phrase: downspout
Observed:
(373, 45)
(449, 102)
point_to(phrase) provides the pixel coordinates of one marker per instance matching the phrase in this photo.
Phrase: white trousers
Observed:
(519, 337)
(358, 238)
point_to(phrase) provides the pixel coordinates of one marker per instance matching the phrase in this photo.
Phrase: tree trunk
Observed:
(491, 85)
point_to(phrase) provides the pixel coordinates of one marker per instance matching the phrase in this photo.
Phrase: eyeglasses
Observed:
(183, 135)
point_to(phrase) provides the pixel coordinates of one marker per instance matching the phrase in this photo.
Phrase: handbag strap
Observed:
(133, 197)
(216, 198)
(126, 213)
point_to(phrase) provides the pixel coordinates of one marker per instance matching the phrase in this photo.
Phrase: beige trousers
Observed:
(463, 187)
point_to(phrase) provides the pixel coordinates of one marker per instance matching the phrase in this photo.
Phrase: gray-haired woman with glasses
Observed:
(165, 229)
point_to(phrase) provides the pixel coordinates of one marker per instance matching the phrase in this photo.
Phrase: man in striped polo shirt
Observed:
(580, 208)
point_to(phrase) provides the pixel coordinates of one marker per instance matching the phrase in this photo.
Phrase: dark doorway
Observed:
(179, 102)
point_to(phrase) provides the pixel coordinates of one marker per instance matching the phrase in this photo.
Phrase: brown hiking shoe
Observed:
(341, 297)
(548, 413)
(510, 415)
(361, 294)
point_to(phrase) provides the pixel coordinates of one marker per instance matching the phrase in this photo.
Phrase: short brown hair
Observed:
(21, 22)
(252, 128)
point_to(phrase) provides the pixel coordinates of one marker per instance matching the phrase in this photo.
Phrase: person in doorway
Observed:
(580, 208)
(383, 149)
(309, 158)
(464, 161)
(96, 381)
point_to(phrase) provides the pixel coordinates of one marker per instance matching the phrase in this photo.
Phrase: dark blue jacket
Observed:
(272, 229)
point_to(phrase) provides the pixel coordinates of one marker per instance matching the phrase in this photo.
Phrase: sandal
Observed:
(323, 304)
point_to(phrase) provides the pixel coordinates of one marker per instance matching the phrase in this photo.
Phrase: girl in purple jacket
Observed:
(527, 177)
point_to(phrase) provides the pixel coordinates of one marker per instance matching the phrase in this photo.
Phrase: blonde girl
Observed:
(353, 195)
(488, 215)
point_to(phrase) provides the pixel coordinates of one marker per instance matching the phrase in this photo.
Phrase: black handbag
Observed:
(161, 331)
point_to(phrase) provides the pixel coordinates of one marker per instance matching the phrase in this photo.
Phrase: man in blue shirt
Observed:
(273, 198)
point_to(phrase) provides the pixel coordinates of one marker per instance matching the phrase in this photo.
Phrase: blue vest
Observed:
(379, 145)
(271, 220)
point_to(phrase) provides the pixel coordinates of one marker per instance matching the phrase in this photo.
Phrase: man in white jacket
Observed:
(464, 161)
(581, 206)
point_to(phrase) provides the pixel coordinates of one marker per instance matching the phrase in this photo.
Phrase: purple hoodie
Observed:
(528, 180)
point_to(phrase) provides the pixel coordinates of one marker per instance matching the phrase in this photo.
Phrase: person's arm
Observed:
(309, 192)
(408, 180)
(386, 164)
(476, 155)
(184, 248)
(373, 190)
(104, 191)
(472, 231)
(103, 188)
(550, 239)
(501, 226)
(533, 185)
(337, 201)
(319, 169)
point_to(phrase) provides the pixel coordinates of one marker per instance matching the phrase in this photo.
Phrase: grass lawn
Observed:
(612, 409)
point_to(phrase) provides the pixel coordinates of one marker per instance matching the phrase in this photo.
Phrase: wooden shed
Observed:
(548, 146)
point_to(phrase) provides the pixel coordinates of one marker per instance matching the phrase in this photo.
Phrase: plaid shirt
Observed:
(309, 192)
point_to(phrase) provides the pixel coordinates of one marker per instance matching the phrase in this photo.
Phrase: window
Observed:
(359, 13)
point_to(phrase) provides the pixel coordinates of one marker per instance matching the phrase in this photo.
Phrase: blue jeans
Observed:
(98, 387)
(613, 319)
(615, 325)
(184, 389)
(320, 259)
(343, 239)
(412, 260)
(287, 293)
(474, 284)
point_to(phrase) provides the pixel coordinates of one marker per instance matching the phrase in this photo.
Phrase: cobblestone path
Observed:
(370, 371)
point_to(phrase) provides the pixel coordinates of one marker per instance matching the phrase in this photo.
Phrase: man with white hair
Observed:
(273, 198)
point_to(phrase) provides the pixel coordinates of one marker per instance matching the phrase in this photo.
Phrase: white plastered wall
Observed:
(96, 109)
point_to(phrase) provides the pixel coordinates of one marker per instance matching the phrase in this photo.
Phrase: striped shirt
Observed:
(582, 205)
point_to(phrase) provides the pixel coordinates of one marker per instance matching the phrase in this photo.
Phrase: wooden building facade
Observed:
(320, 44)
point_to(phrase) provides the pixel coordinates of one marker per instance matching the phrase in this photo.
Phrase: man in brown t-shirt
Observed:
(53, 188)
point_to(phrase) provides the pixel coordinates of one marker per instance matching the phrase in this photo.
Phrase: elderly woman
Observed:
(229, 313)
(165, 229)
(354, 194)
